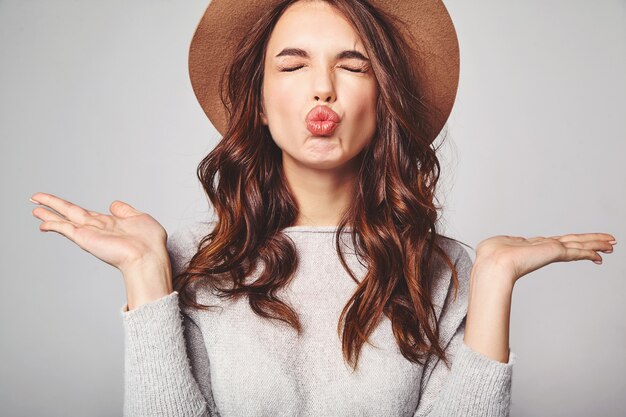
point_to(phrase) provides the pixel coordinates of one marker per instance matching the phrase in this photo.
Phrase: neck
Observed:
(322, 195)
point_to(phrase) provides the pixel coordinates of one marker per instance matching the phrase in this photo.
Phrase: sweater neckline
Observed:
(315, 229)
(309, 228)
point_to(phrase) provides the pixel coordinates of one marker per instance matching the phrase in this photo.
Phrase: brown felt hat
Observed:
(226, 21)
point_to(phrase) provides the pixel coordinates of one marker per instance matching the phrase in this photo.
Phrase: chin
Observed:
(317, 161)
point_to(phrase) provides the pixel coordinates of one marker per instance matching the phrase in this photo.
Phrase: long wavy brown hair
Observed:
(392, 212)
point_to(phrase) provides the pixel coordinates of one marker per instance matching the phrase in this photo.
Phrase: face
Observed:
(320, 73)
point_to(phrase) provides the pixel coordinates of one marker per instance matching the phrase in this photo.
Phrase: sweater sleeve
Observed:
(166, 366)
(474, 385)
(158, 377)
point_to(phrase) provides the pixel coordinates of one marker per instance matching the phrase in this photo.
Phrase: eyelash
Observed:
(347, 68)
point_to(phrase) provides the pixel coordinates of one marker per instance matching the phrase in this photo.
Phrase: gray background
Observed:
(95, 105)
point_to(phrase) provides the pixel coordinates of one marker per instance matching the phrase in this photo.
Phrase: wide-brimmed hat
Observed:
(225, 22)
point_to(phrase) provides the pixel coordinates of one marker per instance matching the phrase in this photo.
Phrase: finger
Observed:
(121, 209)
(575, 254)
(95, 219)
(64, 228)
(584, 237)
(596, 245)
(71, 212)
(519, 238)
(47, 215)
(537, 239)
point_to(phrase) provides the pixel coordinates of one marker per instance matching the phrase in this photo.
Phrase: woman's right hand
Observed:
(132, 241)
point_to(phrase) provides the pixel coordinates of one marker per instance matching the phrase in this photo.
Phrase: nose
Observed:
(324, 86)
(326, 97)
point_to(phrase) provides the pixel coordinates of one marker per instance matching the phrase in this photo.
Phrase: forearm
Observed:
(479, 382)
(489, 311)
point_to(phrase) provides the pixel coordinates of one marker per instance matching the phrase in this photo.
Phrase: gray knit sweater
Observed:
(230, 362)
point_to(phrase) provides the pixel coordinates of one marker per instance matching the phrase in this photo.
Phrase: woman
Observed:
(325, 154)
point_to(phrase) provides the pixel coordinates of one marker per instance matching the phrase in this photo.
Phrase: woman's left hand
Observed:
(516, 256)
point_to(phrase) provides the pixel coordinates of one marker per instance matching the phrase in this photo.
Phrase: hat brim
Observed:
(427, 21)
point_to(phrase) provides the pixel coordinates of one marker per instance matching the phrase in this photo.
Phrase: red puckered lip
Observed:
(322, 121)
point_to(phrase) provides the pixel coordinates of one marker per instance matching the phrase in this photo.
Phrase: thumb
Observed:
(120, 209)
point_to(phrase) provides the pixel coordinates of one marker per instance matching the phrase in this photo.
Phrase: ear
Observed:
(262, 111)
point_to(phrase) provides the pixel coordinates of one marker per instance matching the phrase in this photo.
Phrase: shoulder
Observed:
(456, 251)
(459, 256)
(183, 243)
(451, 307)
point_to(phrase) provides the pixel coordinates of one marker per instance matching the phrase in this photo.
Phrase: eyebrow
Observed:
(347, 54)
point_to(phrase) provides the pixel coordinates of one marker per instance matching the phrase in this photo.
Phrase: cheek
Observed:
(279, 104)
(364, 112)
(281, 114)
(280, 96)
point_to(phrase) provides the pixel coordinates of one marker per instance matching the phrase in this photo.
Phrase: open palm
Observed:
(122, 239)
(519, 256)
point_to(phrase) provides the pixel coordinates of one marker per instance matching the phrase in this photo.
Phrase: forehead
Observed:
(313, 25)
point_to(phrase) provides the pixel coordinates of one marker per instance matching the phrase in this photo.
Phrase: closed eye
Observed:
(346, 68)
(355, 69)
(291, 69)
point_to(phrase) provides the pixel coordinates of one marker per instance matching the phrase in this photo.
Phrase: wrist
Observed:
(490, 274)
(147, 281)
(488, 311)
